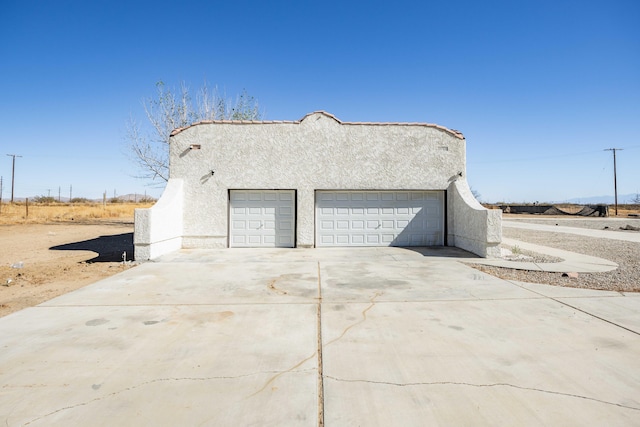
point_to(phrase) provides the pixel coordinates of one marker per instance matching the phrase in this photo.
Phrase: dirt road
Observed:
(41, 261)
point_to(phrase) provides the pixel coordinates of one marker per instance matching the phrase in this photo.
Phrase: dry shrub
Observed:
(16, 213)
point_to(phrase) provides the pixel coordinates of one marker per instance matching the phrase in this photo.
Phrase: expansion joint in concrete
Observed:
(597, 317)
(581, 310)
(320, 366)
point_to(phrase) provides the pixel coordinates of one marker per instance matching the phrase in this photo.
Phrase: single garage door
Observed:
(379, 218)
(261, 218)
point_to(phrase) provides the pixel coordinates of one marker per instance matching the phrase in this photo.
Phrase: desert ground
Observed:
(54, 251)
(41, 261)
(59, 248)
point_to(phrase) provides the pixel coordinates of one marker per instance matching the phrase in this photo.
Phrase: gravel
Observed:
(612, 224)
(626, 278)
(514, 253)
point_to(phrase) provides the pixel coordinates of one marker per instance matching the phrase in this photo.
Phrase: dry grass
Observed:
(625, 210)
(19, 213)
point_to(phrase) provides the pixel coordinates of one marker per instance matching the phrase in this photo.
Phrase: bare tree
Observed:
(172, 109)
(476, 194)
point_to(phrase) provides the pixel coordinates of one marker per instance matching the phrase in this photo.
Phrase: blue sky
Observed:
(539, 88)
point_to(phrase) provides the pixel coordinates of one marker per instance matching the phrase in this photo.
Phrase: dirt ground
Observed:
(41, 261)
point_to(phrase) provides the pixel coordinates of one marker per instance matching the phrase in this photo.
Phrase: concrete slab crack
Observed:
(143, 384)
(272, 286)
(507, 385)
(317, 354)
(280, 373)
(364, 318)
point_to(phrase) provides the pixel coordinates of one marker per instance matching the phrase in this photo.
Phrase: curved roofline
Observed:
(452, 132)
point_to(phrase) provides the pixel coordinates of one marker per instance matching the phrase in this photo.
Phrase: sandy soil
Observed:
(41, 261)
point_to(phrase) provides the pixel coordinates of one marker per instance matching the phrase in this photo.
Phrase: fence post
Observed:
(27, 207)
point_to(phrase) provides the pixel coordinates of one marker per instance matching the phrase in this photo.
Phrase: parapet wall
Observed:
(472, 227)
(158, 229)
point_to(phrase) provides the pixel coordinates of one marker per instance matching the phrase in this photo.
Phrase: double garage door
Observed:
(266, 218)
(379, 218)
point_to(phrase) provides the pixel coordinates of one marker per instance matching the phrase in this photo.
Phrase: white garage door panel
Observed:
(379, 218)
(261, 218)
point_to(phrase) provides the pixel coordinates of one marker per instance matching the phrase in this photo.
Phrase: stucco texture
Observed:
(471, 226)
(318, 152)
(158, 230)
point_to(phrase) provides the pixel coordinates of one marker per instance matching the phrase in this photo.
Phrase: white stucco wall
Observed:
(470, 225)
(318, 153)
(158, 230)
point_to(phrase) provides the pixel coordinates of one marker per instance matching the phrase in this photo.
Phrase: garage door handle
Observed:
(261, 225)
(379, 225)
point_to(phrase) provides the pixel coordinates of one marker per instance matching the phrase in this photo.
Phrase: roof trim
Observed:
(452, 132)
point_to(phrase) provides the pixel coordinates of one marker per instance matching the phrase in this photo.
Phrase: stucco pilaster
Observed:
(305, 214)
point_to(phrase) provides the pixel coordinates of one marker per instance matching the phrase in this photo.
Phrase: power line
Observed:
(545, 157)
(615, 179)
(13, 171)
(534, 159)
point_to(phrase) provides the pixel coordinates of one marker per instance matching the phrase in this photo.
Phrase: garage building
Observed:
(316, 182)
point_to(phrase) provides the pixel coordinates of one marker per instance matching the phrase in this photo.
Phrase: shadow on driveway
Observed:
(441, 251)
(108, 248)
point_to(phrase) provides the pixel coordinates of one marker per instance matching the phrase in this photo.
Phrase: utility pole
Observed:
(615, 179)
(13, 173)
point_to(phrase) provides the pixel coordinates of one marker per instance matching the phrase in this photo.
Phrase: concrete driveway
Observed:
(308, 337)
